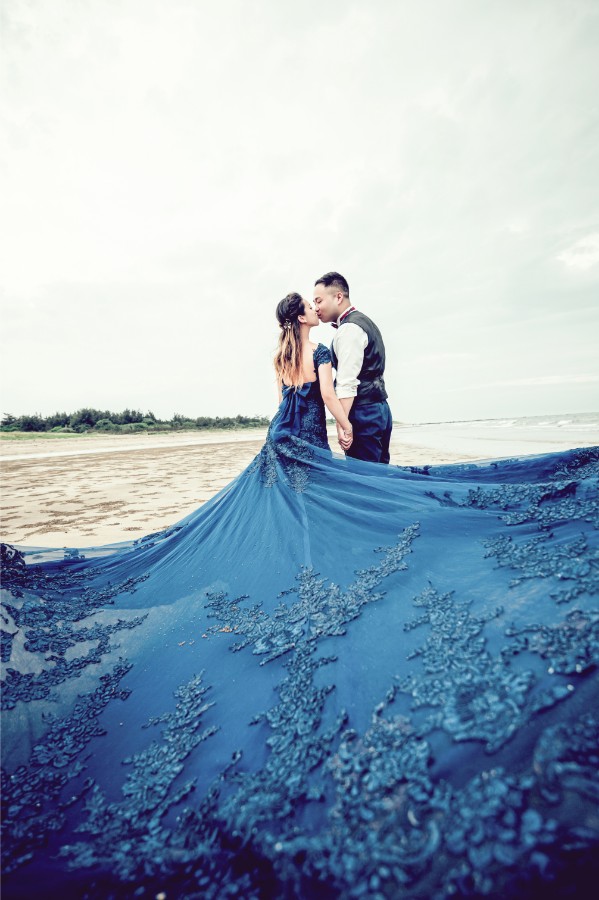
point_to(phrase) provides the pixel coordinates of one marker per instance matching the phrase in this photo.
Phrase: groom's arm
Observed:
(346, 403)
(344, 441)
(350, 343)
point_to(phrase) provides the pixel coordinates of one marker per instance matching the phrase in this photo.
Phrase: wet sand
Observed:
(92, 490)
(97, 490)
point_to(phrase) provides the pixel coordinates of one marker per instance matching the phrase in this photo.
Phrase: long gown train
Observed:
(334, 679)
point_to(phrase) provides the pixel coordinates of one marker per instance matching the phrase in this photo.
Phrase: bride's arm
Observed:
(333, 404)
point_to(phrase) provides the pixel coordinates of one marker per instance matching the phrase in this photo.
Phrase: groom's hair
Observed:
(334, 279)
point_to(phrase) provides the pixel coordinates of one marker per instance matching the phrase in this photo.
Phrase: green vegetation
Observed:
(99, 421)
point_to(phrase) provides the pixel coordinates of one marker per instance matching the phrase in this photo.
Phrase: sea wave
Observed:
(574, 421)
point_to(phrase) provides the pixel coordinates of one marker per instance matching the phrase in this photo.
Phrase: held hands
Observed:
(345, 437)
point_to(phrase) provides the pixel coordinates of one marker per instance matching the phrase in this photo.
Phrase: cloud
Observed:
(517, 226)
(582, 255)
(177, 167)
(432, 359)
(535, 381)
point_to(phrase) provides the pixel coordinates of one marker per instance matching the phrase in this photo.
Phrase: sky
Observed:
(172, 168)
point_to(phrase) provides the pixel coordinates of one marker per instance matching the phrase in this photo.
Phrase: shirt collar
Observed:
(343, 316)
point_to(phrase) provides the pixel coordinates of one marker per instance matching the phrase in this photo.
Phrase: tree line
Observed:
(103, 420)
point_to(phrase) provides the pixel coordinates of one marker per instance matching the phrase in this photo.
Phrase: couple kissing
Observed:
(356, 398)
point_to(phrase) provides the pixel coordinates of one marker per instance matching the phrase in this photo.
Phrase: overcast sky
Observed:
(173, 168)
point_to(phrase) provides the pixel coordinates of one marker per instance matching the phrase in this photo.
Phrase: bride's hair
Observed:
(288, 358)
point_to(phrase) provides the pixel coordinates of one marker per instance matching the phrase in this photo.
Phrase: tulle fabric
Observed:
(335, 678)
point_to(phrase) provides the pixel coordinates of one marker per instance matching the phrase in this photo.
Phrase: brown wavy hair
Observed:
(288, 358)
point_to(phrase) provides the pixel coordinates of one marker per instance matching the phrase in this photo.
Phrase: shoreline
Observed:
(546, 432)
(119, 443)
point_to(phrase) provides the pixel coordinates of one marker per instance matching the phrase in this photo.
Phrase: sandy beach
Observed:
(97, 489)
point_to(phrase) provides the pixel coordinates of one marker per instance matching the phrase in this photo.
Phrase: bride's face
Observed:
(309, 316)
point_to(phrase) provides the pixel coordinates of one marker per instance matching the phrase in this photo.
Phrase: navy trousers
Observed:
(372, 424)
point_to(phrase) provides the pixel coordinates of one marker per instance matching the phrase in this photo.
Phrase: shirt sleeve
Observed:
(350, 343)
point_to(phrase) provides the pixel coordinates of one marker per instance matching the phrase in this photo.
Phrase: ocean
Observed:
(498, 438)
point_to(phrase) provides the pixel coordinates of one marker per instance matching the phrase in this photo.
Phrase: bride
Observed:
(336, 679)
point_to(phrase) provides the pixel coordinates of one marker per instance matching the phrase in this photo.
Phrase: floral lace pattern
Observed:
(406, 720)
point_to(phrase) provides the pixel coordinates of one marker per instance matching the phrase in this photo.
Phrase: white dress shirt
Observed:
(349, 344)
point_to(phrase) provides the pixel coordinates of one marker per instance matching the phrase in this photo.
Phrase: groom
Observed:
(359, 356)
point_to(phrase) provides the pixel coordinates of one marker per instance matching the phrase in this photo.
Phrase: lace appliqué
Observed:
(297, 749)
(45, 612)
(31, 796)
(542, 557)
(332, 809)
(115, 828)
(547, 505)
(571, 646)
(288, 459)
(322, 608)
(477, 696)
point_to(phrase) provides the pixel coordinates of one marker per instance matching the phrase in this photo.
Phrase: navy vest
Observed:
(371, 388)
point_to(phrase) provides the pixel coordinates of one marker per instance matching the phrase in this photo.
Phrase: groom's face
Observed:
(326, 301)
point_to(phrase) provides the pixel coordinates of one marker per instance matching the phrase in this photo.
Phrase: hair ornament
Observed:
(286, 325)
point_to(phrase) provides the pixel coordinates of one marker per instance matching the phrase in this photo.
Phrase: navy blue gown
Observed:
(334, 679)
(301, 412)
